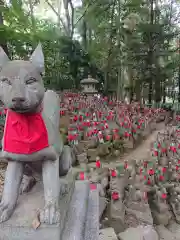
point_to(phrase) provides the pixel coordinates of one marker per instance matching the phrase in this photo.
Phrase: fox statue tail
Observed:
(51, 107)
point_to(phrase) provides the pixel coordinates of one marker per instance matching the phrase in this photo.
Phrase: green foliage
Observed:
(118, 43)
(66, 61)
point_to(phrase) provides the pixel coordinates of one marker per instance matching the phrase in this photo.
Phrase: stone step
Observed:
(74, 227)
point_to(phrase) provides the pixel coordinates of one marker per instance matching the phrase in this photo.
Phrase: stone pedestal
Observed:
(19, 226)
(79, 209)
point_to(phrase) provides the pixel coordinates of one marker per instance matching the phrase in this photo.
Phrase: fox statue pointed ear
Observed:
(3, 58)
(37, 58)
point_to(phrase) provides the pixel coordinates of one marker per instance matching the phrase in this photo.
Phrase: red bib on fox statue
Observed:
(24, 133)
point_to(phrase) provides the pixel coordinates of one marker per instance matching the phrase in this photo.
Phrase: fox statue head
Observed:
(21, 85)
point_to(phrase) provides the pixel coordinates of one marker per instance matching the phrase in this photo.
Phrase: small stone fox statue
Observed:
(31, 133)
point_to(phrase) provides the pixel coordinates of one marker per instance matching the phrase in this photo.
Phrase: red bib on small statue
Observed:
(24, 133)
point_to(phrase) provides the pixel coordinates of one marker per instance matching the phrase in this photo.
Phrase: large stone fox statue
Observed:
(31, 132)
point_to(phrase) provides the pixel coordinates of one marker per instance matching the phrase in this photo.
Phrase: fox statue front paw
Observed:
(27, 184)
(6, 210)
(50, 214)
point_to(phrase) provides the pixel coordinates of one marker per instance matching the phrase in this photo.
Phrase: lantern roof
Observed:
(89, 80)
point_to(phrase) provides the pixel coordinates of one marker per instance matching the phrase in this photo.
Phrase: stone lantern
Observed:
(89, 86)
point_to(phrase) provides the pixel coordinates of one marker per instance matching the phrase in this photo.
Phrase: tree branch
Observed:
(87, 8)
(84, 13)
(72, 18)
(57, 14)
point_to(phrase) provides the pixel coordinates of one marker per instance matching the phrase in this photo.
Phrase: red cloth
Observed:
(25, 133)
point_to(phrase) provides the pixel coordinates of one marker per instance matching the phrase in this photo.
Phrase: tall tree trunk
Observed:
(72, 18)
(84, 34)
(138, 90)
(131, 81)
(107, 69)
(179, 75)
(150, 91)
(164, 91)
(157, 87)
(67, 15)
(158, 92)
(169, 28)
(89, 36)
(120, 80)
(32, 16)
(150, 54)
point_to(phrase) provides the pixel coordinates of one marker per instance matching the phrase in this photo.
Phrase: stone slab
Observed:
(165, 234)
(174, 228)
(175, 214)
(107, 234)
(139, 233)
(142, 216)
(92, 220)
(19, 226)
(77, 213)
(102, 206)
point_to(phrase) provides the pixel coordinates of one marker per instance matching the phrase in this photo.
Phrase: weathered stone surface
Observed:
(107, 234)
(161, 218)
(116, 215)
(138, 141)
(139, 233)
(92, 219)
(165, 234)
(128, 143)
(143, 217)
(102, 206)
(146, 132)
(82, 159)
(174, 228)
(152, 125)
(92, 154)
(67, 159)
(175, 213)
(19, 226)
(82, 146)
(76, 217)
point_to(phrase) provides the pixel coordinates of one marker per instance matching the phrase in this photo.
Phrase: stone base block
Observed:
(107, 234)
(139, 233)
(19, 226)
(161, 218)
(82, 145)
(92, 154)
(117, 215)
(143, 217)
